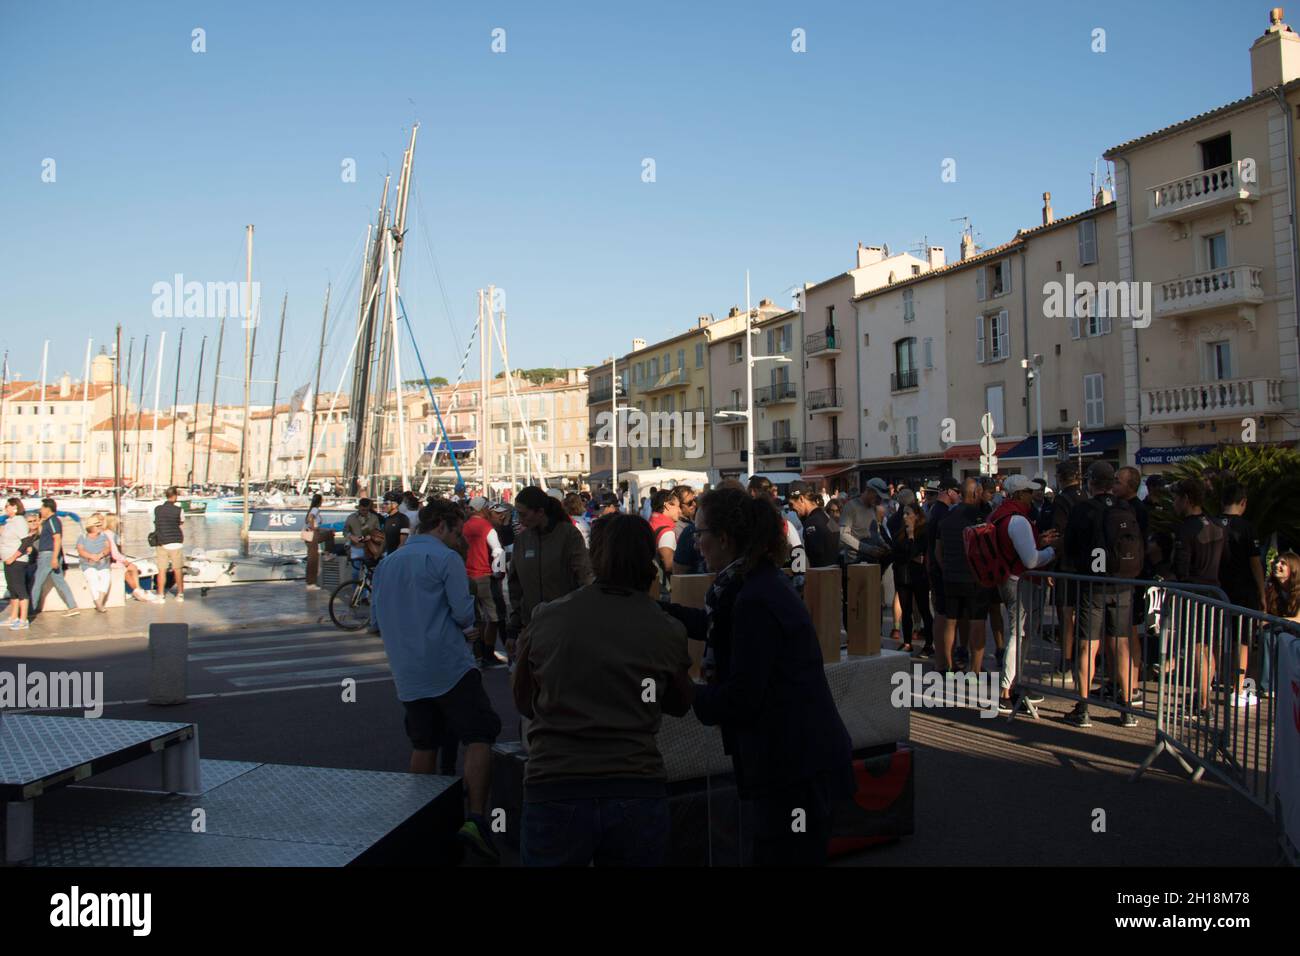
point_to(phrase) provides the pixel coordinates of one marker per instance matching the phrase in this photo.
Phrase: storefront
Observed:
(1105, 444)
(965, 459)
(1153, 460)
(915, 470)
(832, 478)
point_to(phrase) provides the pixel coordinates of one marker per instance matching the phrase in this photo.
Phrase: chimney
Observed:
(1103, 197)
(868, 255)
(765, 303)
(65, 385)
(733, 312)
(703, 321)
(638, 345)
(935, 257)
(967, 246)
(1047, 209)
(1275, 56)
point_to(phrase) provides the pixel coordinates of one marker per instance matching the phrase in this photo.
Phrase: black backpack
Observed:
(1116, 533)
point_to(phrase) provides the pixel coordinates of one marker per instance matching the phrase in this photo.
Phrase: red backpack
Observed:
(989, 563)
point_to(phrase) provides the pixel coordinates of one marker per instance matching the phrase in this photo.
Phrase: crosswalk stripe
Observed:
(322, 674)
(262, 651)
(295, 661)
(327, 635)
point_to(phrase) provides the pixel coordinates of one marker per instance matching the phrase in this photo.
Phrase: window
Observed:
(909, 312)
(830, 317)
(778, 340)
(992, 337)
(699, 356)
(736, 400)
(993, 281)
(654, 370)
(929, 353)
(1087, 242)
(681, 358)
(737, 352)
(1216, 251)
(1091, 316)
(1094, 405)
(993, 405)
(913, 433)
(1218, 361)
(736, 438)
(1216, 152)
(905, 373)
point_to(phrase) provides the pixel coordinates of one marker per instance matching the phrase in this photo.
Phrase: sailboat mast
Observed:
(212, 413)
(248, 372)
(117, 442)
(176, 394)
(194, 419)
(360, 400)
(482, 400)
(139, 411)
(275, 389)
(40, 472)
(157, 396)
(85, 437)
(4, 395)
(315, 392)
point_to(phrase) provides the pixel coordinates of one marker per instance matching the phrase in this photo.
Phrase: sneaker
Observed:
(72, 612)
(1078, 717)
(475, 838)
(22, 626)
(181, 598)
(1136, 699)
(313, 587)
(1128, 720)
(13, 624)
(1005, 707)
(1030, 697)
(925, 653)
(1247, 699)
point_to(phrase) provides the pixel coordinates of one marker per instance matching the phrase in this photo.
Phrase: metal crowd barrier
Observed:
(1201, 668)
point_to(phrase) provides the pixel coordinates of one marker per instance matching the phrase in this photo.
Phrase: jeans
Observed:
(45, 571)
(1018, 597)
(609, 831)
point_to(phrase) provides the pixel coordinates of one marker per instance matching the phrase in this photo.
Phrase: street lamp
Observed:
(1032, 373)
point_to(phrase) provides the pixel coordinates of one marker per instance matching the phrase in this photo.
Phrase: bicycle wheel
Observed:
(350, 605)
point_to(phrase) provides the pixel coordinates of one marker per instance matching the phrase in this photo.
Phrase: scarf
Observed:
(721, 592)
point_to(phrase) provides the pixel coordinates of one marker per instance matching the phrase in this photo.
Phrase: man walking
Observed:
(484, 560)
(425, 613)
(821, 539)
(169, 550)
(49, 561)
(1241, 575)
(967, 604)
(945, 499)
(1197, 556)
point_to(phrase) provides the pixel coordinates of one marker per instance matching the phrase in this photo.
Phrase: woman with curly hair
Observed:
(767, 688)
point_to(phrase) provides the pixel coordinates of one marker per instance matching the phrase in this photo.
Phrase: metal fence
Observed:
(1202, 669)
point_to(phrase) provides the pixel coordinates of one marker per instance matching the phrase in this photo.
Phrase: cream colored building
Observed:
(1205, 215)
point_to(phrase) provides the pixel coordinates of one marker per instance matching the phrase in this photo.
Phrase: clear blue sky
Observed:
(528, 165)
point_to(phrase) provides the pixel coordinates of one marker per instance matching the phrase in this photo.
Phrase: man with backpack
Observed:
(999, 552)
(966, 601)
(664, 512)
(1056, 517)
(1102, 541)
(1241, 575)
(1197, 556)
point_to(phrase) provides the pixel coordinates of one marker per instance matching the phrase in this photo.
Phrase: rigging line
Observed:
(433, 261)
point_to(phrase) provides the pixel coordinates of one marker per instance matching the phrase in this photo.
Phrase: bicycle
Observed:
(350, 601)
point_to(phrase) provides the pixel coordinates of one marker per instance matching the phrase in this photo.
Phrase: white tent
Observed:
(640, 482)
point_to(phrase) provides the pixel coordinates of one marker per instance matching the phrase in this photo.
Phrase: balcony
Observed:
(826, 343)
(770, 447)
(1233, 287)
(825, 400)
(901, 381)
(669, 379)
(598, 395)
(838, 449)
(776, 394)
(730, 419)
(1230, 398)
(1190, 196)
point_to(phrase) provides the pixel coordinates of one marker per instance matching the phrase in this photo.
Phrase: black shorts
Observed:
(16, 580)
(1065, 594)
(1104, 613)
(1139, 605)
(940, 596)
(966, 602)
(465, 710)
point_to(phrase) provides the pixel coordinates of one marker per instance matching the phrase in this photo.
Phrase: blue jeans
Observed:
(609, 831)
(45, 570)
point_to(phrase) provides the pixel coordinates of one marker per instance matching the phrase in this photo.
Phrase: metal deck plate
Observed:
(270, 815)
(36, 749)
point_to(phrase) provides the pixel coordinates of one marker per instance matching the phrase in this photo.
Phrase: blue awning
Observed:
(1170, 455)
(459, 447)
(1094, 443)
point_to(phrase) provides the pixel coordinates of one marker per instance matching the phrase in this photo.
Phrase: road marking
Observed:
(295, 661)
(262, 651)
(256, 680)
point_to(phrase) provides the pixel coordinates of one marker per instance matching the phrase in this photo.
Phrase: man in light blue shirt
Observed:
(424, 610)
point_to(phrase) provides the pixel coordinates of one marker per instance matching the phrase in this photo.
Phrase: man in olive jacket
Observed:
(549, 559)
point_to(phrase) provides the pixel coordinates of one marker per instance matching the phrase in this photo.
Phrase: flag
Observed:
(300, 399)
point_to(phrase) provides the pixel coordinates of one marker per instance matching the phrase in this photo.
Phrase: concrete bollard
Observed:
(169, 649)
(864, 609)
(821, 592)
(689, 591)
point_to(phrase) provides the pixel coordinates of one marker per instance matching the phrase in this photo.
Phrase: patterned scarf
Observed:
(721, 591)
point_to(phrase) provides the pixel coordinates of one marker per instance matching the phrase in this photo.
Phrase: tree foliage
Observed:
(537, 376)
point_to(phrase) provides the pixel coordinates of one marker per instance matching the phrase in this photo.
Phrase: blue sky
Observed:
(529, 162)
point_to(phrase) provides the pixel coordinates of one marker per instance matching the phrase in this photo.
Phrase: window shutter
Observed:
(1103, 312)
(929, 353)
(1004, 334)
(1006, 275)
(1074, 324)
(979, 284)
(979, 339)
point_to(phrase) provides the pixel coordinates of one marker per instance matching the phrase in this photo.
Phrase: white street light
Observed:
(1032, 367)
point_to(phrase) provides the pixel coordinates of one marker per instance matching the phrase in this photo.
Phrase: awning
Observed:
(1170, 455)
(826, 471)
(1094, 443)
(460, 447)
(972, 450)
(600, 476)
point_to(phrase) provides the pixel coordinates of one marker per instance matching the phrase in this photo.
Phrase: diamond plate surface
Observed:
(34, 748)
(69, 843)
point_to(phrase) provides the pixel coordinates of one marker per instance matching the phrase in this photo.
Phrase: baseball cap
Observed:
(949, 483)
(798, 488)
(879, 485)
(500, 508)
(906, 496)
(477, 503)
(605, 499)
(394, 496)
(1018, 483)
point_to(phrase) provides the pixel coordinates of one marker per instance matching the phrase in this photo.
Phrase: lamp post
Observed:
(1032, 368)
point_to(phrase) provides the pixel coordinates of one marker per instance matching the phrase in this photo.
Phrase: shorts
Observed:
(16, 580)
(484, 599)
(1065, 594)
(465, 710)
(99, 580)
(173, 556)
(966, 602)
(1104, 613)
(1139, 606)
(940, 596)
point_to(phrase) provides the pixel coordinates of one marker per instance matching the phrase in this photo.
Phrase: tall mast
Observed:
(139, 410)
(482, 399)
(194, 444)
(248, 372)
(212, 413)
(360, 399)
(85, 437)
(176, 394)
(117, 444)
(397, 366)
(157, 396)
(315, 392)
(275, 390)
(510, 414)
(4, 395)
(41, 432)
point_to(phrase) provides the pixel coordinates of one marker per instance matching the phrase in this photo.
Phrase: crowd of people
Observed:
(576, 591)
